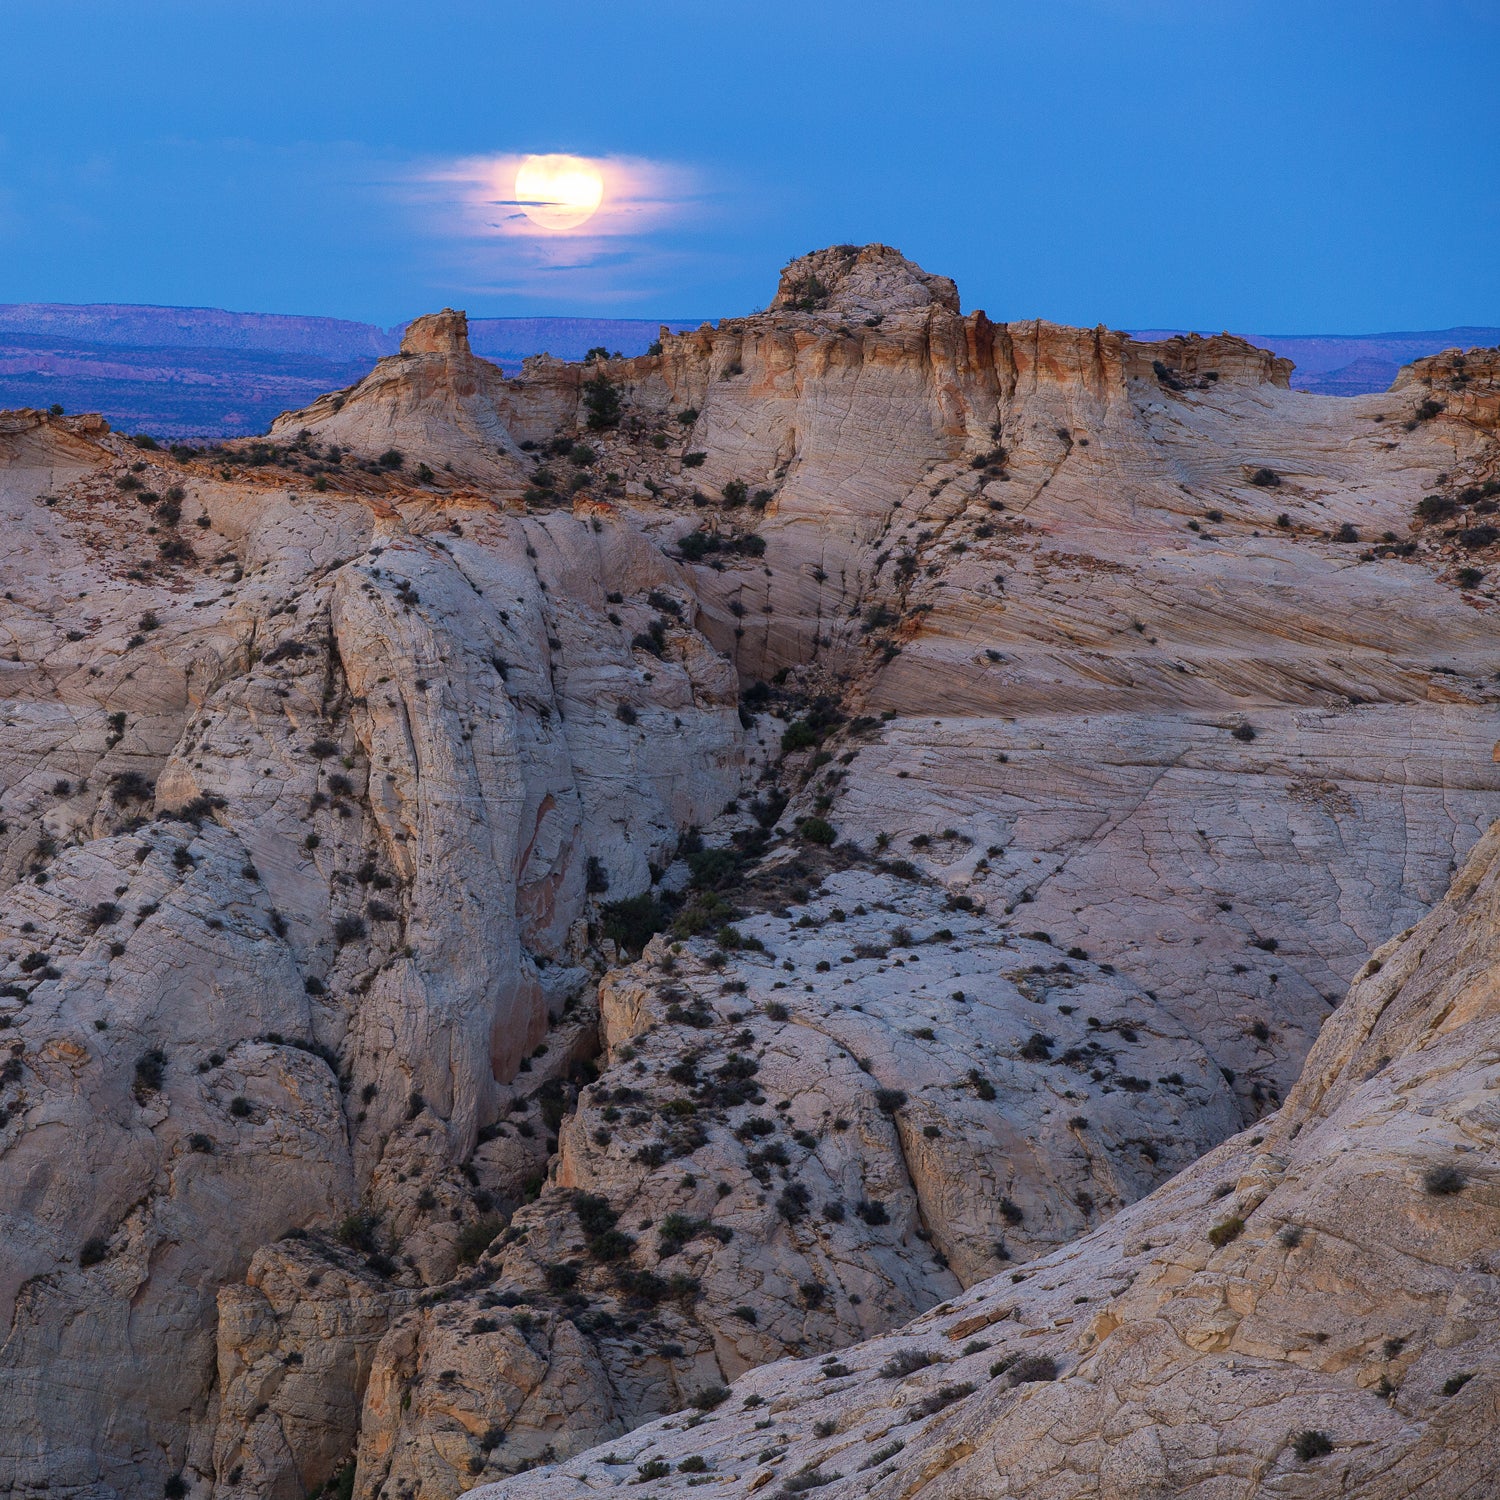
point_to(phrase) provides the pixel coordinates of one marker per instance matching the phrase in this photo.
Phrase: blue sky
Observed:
(1262, 165)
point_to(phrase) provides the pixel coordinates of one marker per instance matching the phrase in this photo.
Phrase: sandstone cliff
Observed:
(1007, 742)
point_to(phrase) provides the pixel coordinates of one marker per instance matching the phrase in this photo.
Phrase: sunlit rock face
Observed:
(1006, 742)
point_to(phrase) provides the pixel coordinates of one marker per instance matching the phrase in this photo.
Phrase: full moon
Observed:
(558, 192)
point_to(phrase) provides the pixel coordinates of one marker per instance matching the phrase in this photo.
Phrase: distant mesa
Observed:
(202, 372)
(188, 372)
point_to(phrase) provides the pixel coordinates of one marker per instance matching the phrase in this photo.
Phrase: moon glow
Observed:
(558, 192)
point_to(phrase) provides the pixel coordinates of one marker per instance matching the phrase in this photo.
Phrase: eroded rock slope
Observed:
(1004, 741)
(1308, 1310)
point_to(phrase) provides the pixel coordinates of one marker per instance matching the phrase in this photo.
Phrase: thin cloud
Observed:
(501, 241)
(639, 197)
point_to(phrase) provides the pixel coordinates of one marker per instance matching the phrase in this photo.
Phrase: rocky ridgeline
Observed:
(529, 901)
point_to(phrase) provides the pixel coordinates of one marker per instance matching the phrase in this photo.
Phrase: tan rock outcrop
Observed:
(435, 402)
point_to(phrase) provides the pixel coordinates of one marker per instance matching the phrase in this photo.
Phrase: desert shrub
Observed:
(709, 1397)
(792, 1202)
(1032, 1367)
(906, 1362)
(981, 1085)
(1267, 479)
(1455, 1383)
(347, 929)
(626, 713)
(476, 1237)
(943, 1396)
(810, 1478)
(1428, 410)
(357, 1232)
(1243, 732)
(889, 1100)
(101, 914)
(1037, 1048)
(872, 1211)
(817, 831)
(1444, 1180)
(601, 400)
(129, 786)
(1311, 1443)
(1230, 1229)
(150, 1071)
(634, 921)
(652, 639)
(880, 1455)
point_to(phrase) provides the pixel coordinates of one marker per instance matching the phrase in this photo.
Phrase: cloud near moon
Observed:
(547, 195)
(560, 227)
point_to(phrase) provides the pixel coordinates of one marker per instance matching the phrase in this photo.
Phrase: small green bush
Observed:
(634, 921)
(477, 1236)
(906, 1362)
(1231, 1229)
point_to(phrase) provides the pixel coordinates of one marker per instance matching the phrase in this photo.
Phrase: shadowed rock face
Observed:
(1024, 757)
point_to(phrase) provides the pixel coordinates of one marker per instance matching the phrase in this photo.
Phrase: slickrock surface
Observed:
(1309, 1310)
(802, 1147)
(526, 901)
